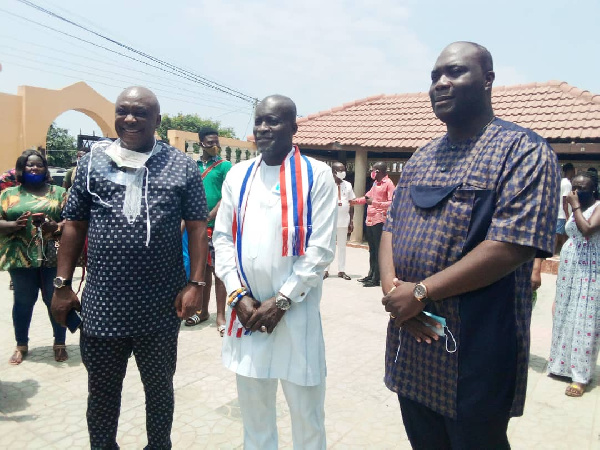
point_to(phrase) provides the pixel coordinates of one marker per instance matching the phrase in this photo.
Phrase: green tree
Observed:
(61, 147)
(190, 122)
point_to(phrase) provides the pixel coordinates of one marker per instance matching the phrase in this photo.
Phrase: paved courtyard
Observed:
(42, 403)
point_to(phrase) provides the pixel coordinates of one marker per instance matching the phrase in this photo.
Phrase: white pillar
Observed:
(360, 173)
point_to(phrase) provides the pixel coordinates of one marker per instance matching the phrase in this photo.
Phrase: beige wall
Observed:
(11, 113)
(26, 117)
(179, 138)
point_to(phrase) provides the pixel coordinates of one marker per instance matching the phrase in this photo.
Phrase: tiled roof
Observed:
(555, 110)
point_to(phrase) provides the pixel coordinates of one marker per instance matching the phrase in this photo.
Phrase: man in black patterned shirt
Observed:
(129, 197)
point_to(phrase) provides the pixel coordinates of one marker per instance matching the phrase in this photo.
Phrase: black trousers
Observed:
(374, 238)
(106, 362)
(428, 430)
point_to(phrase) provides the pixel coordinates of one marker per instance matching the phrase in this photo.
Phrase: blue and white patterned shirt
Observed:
(131, 288)
(500, 186)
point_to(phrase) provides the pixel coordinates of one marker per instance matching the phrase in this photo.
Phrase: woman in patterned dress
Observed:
(35, 202)
(576, 328)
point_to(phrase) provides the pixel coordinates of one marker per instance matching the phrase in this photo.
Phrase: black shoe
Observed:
(371, 283)
(365, 279)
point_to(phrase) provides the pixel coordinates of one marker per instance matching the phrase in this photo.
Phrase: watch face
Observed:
(58, 282)
(420, 291)
(283, 303)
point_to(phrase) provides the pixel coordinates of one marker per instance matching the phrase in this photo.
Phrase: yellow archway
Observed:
(26, 117)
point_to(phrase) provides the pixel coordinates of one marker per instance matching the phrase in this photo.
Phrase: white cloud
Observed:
(509, 75)
(320, 53)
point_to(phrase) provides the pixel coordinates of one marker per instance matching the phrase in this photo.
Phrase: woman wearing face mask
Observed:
(576, 327)
(22, 209)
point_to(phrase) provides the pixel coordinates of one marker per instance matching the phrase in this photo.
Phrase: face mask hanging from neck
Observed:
(131, 172)
(374, 174)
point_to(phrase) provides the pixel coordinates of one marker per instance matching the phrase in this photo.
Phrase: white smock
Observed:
(295, 351)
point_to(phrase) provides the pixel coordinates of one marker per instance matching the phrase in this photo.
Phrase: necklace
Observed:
(488, 124)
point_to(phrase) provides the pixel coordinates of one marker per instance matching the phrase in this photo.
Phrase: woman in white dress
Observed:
(576, 328)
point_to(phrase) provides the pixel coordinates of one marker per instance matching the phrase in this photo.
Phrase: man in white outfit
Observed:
(345, 213)
(274, 236)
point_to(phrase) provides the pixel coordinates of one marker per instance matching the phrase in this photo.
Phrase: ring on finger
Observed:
(263, 329)
(392, 316)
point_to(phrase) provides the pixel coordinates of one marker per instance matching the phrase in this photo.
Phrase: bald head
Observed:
(461, 86)
(141, 92)
(284, 104)
(137, 116)
(480, 53)
(274, 128)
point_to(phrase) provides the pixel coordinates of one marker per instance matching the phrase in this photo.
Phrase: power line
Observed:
(18, 64)
(209, 83)
(108, 49)
(208, 95)
(187, 92)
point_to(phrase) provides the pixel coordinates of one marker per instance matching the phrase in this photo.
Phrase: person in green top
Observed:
(34, 203)
(213, 169)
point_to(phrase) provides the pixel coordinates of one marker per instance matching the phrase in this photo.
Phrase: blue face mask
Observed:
(30, 178)
(440, 331)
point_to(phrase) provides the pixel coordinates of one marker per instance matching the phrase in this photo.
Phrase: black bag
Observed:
(51, 253)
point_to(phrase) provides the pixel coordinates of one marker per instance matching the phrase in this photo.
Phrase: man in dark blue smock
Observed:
(470, 212)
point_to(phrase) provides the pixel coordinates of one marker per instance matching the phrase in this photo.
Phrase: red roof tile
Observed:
(553, 109)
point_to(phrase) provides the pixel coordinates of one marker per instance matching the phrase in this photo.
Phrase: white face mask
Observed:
(136, 191)
(340, 175)
(126, 158)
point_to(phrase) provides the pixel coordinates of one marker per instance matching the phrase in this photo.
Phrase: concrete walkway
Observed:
(42, 403)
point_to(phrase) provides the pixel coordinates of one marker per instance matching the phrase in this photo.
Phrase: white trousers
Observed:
(257, 404)
(341, 238)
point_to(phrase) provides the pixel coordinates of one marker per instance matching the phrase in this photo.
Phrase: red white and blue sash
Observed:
(295, 182)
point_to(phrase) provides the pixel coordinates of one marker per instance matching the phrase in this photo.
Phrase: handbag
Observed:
(51, 253)
(51, 248)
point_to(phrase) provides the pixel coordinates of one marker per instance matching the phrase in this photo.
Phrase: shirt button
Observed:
(443, 169)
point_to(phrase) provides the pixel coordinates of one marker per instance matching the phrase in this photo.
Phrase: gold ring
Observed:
(392, 316)
(263, 329)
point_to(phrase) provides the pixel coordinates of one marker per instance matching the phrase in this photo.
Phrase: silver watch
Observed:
(282, 302)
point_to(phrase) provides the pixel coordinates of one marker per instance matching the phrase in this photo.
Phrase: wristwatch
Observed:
(282, 302)
(420, 293)
(60, 282)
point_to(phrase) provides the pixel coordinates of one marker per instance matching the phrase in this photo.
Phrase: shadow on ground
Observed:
(14, 397)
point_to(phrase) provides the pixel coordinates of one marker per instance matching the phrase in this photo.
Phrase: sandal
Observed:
(221, 330)
(195, 320)
(575, 390)
(60, 352)
(19, 354)
(343, 275)
(326, 275)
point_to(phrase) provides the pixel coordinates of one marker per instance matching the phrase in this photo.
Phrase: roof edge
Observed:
(335, 109)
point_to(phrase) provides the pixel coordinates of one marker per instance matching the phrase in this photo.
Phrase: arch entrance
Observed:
(25, 117)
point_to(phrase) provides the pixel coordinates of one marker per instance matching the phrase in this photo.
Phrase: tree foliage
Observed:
(190, 122)
(61, 147)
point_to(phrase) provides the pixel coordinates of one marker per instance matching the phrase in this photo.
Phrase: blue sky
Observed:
(320, 53)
